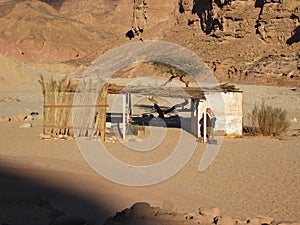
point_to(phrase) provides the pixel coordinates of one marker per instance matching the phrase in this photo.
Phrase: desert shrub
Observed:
(268, 120)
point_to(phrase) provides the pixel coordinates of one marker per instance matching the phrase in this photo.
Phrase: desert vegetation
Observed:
(268, 120)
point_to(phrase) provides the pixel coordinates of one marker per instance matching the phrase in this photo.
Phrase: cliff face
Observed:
(272, 20)
(239, 39)
(277, 20)
(245, 39)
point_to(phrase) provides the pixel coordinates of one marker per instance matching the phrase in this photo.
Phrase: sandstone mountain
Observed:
(241, 40)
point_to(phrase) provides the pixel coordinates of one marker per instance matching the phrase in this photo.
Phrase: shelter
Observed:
(91, 117)
(229, 111)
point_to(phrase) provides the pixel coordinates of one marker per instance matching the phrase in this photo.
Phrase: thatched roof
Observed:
(173, 92)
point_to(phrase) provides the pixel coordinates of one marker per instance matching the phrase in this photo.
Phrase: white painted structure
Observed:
(227, 106)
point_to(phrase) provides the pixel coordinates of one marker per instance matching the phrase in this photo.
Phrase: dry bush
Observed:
(268, 120)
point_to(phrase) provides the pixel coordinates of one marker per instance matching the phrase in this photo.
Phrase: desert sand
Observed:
(44, 179)
(49, 182)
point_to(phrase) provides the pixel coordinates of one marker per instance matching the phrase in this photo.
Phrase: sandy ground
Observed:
(250, 176)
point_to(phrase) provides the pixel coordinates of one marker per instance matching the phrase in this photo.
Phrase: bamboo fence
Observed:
(62, 116)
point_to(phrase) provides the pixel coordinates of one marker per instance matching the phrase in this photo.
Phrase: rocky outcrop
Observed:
(271, 69)
(143, 213)
(220, 18)
(151, 19)
(275, 66)
(277, 19)
(235, 38)
(272, 20)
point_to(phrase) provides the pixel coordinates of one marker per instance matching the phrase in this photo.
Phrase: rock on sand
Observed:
(26, 125)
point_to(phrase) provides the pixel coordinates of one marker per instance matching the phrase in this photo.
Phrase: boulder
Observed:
(141, 210)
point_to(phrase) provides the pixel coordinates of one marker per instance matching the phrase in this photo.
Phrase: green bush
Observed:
(268, 120)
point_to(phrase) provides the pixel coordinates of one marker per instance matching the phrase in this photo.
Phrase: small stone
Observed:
(4, 119)
(18, 117)
(34, 113)
(141, 210)
(29, 117)
(45, 136)
(26, 125)
(213, 212)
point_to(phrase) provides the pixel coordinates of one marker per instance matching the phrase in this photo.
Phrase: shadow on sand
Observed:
(24, 200)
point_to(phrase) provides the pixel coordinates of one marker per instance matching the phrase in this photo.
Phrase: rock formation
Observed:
(143, 213)
(232, 36)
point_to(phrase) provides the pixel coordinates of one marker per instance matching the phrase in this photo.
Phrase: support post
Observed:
(204, 123)
(129, 109)
(194, 117)
(124, 117)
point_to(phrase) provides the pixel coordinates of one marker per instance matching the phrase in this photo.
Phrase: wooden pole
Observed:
(204, 123)
(124, 116)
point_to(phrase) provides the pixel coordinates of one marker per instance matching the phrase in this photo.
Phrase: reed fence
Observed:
(64, 116)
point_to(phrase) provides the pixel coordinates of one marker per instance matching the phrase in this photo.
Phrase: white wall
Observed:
(228, 108)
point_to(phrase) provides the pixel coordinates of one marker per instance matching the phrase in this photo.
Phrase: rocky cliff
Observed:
(248, 40)
(242, 40)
